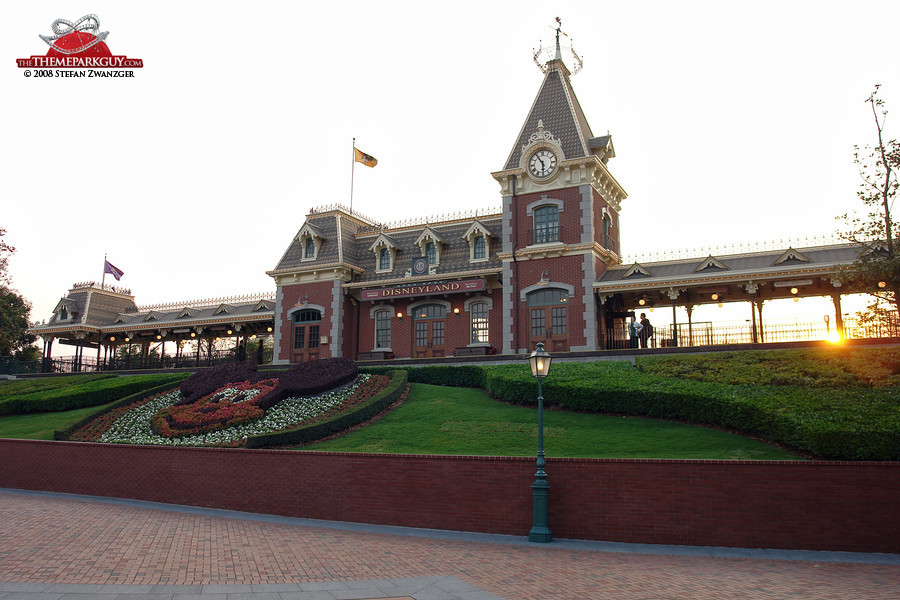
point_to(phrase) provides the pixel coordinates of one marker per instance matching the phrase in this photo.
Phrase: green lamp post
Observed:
(540, 367)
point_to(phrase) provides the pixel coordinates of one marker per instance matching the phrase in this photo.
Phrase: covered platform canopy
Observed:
(753, 277)
(103, 317)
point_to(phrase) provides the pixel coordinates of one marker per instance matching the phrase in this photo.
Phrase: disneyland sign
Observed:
(426, 289)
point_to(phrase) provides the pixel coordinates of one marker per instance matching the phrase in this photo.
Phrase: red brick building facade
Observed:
(488, 282)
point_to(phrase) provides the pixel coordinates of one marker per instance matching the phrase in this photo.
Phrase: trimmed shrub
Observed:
(92, 393)
(206, 381)
(450, 375)
(309, 379)
(360, 414)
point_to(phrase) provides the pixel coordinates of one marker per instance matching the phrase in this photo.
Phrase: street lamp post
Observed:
(540, 367)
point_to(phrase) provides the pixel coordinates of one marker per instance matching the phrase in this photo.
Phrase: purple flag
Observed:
(112, 270)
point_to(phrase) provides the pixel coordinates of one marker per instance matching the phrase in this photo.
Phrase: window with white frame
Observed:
(546, 224)
(384, 260)
(479, 248)
(309, 248)
(383, 329)
(431, 253)
(479, 320)
(478, 237)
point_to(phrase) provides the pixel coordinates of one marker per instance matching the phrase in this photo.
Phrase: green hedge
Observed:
(63, 434)
(91, 393)
(360, 414)
(450, 375)
(20, 387)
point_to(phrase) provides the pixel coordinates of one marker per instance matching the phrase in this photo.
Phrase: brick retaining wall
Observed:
(753, 504)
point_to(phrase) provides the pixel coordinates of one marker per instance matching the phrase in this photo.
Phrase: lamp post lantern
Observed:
(540, 489)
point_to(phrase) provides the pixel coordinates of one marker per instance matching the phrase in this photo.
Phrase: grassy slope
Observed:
(444, 420)
(40, 426)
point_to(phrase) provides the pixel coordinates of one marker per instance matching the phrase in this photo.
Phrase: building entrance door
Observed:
(306, 335)
(428, 332)
(548, 320)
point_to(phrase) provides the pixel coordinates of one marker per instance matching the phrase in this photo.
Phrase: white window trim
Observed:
(372, 314)
(468, 308)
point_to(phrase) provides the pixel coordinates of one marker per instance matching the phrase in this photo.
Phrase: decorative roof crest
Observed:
(554, 54)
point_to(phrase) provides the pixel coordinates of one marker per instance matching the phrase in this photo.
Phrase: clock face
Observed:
(542, 163)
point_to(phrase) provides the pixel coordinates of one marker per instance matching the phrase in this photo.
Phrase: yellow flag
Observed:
(366, 159)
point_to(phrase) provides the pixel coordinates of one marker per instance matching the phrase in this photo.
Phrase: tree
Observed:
(14, 313)
(14, 310)
(877, 270)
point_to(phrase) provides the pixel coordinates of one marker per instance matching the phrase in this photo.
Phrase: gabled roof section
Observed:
(153, 316)
(69, 305)
(475, 229)
(557, 106)
(711, 262)
(429, 235)
(791, 257)
(309, 229)
(187, 312)
(223, 308)
(637, 270)
(263, 305)
(603, 147)
(383, 240)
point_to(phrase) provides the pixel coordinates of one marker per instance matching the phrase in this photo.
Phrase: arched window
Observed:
(383, 329)
(384, 259)
(479, 316)
(309, 250)
(431, 253)
(479, 248)
(546, 224)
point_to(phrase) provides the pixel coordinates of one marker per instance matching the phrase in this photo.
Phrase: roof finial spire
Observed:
(558, 30)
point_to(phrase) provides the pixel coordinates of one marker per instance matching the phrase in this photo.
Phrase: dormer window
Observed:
(310, 239)
(63, 314)
(385, 250)
(430, 243)
(478, 237)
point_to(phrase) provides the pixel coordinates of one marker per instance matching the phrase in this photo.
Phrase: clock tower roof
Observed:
(558, 108)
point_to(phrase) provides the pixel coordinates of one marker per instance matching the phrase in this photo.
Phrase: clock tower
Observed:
(560, 219)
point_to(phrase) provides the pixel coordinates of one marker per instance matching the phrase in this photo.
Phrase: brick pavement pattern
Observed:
(52, 540)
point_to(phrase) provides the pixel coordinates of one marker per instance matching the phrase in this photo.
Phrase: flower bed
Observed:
(133, 424)
(230, 405)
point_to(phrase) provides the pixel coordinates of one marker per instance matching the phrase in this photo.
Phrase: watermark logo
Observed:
(78, 45)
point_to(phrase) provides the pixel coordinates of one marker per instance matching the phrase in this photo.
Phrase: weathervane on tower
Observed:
(554, 53)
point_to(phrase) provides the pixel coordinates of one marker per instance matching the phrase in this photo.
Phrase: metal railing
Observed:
(708, 333)
(90, 364)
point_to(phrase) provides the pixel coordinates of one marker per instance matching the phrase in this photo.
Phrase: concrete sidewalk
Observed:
(63, 546)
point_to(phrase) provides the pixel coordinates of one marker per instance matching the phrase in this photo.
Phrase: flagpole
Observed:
(352, 173)
(103, 280)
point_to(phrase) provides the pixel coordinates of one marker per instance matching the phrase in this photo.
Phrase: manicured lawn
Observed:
(40, 426)
(449, 420)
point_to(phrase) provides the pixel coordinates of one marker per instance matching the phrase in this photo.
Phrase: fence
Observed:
(708, 333)
(90, 364)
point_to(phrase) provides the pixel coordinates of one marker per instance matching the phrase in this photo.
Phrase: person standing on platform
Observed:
(634, 333)
(646, 331)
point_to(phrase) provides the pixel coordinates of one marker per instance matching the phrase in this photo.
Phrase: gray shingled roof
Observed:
(758, 263)
(557, 106)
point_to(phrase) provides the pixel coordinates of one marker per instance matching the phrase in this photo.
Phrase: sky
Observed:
(732, 123)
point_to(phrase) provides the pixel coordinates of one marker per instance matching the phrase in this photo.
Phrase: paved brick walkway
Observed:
(62, 547)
